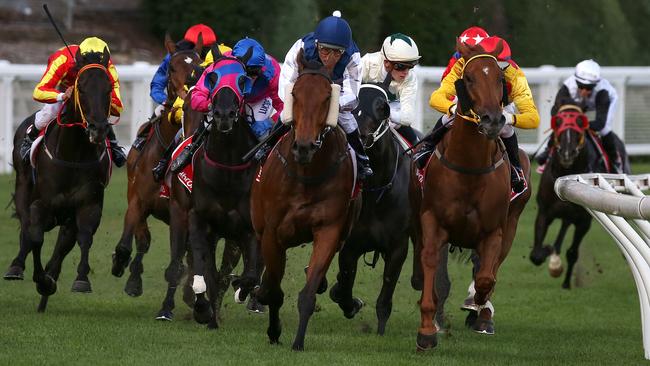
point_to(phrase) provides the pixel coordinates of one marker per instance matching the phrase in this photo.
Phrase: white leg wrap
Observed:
(198, 285)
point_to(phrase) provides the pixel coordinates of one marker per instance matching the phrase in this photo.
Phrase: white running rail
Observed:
(600, 195)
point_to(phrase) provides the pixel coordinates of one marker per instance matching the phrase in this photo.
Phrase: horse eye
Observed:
(469, 79)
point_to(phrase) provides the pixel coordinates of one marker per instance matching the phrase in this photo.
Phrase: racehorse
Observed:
(574, 153)
(221, 188)
(464, 197)
(143, 192)
(66, 188)
(302, 194)
(384, 225)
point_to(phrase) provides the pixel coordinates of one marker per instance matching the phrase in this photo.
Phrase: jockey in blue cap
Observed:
(330, 44)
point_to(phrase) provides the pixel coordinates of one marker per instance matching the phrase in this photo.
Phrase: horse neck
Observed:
(467, 147)
(229, 148)
(72, 144)
(384, 155)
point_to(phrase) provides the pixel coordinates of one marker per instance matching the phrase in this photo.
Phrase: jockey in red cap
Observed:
(192, 34)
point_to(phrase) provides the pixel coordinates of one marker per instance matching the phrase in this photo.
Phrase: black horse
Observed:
(221, 196)
(384, 225)
(67, 187)
(574, 153)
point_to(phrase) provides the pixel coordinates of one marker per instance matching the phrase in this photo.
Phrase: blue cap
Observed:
(257, 58)
(334, 30)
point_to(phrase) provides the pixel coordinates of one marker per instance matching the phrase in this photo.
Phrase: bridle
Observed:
(384, 125)
(195, 68)
(463, 95)
(77, 102)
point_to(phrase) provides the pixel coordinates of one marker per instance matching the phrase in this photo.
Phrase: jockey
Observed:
(521, 111)
(56, 86)
(392, 66)
(330, 44)
(158, 84)
(586, 89)
(262, 105)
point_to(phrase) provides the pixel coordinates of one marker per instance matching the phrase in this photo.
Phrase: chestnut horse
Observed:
(67, 187)
(143, 192)
(302, 194)
(574, 153)
(465, 194)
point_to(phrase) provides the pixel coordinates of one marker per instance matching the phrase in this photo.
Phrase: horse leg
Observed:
(443, 287)
(198, 229)
(21, 202)
(17, 267)
(64, 244)
(326, 242)
(123, 249)
(45, 284)
(341, 292)
(539, 252)
(215, 293)
(88, 219)
(572, 253)
(188, 293)
(133, 285)
(490, 256)
(270, 292)
(555, 263)
(392, 269)
(177, 249)
(417, 278)
(250, 276)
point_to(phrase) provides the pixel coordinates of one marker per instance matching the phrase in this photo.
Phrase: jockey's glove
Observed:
(510, 119)
(452, 110)
(159, 109)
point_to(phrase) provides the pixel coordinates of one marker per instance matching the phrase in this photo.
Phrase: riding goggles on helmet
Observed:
(585, 86)
(401, 66)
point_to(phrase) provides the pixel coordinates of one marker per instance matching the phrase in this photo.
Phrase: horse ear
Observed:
(380, 109)
(170, 46)
(216, 52)
(301, 61)
(212, 80)
(462, 48)
(198, 47)
(105, 57)
(79, 59)
(497, 50)
(247, 56)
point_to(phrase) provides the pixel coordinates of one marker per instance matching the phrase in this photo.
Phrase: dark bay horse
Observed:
(220, 204)
(302, 194)
(143, 192)
(384, 225)
(67, 187)
(574, 153)
(465, 194)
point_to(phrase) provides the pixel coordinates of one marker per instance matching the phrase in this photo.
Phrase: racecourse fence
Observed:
(631, 122)
(624, 217)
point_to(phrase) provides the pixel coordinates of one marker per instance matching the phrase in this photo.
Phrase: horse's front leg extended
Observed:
(341, 292)
(88, 219)
(198, 234)
(433, 238)
(270, 292)
(490, 256)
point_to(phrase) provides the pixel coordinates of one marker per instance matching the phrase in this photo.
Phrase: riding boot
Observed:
(429, 143)
(277, 131)
(609, 144)
(117, 151)
(26, 146)
(161, 168)
(186, 155)
(363, 169)
(408, 133)
(141, 138)
(516, 173)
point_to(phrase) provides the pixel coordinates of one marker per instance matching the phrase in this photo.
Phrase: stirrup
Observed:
(182, 159)
(139, 142)
(159, 170)
(517, 179)
(262, 152)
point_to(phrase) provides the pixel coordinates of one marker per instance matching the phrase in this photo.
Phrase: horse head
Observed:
(92, 94)
(372, 113)
(184, 68)
(228, 84)
(481, 89)
(569, 126)
(311, 103)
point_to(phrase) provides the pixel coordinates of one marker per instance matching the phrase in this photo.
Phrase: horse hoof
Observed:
(46, 286)
(238, 295)
(334, 293)
(133, 287)
(202, 311)
(166, 315)
(254, 306)
(426, 342)
(322, 287)
(356, 307)
(483, 326)
(81, 286)
(471, 318)
(213, 324)
(298, 346)
(121, 260)
(14, 273)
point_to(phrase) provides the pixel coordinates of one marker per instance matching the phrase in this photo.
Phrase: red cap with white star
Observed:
(473, 35)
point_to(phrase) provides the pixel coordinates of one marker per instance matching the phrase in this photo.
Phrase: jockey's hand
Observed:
(159, 109)
(452, 110)
(510, 119)
(68, 93)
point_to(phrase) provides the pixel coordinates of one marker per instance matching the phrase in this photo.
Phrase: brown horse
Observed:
(303, 194)
(465, 196)
(143, 192)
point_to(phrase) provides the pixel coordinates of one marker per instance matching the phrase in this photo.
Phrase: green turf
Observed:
(537, 322)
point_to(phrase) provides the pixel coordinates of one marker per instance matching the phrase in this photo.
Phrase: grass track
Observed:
(597, 322)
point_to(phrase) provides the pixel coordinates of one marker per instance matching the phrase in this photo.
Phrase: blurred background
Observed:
(547, 39)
